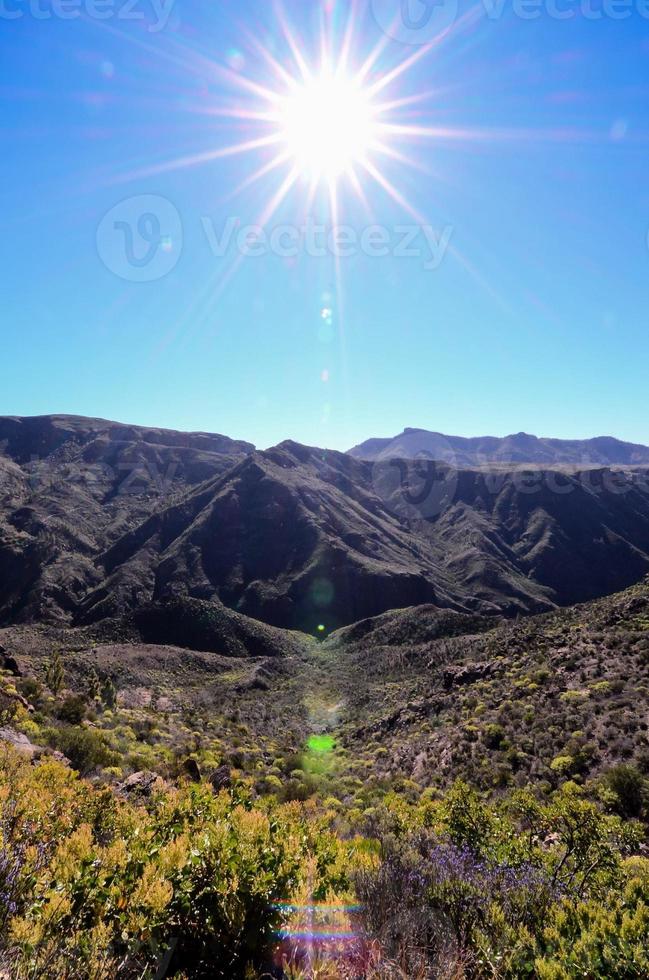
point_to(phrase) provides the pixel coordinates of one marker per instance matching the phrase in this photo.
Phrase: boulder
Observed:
(221, 778)
(141, 784)
(19, 742)
(9, 663)
(191, 770)
(466, 674)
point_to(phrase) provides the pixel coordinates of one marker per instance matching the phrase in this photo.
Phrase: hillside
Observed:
(274, 805)
(430, 697)
(413, 698)
(71, 486)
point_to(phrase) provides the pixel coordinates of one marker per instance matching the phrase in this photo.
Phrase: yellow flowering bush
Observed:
(96, 887)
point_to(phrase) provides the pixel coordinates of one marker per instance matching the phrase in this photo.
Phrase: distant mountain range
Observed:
(100, 520)
(515, 449)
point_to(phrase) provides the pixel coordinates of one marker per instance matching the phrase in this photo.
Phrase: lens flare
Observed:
(318, 936)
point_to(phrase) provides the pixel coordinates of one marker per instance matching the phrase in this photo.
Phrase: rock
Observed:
(37, 753)
(50, 755)
(420, 766)
(466, 674)
(20, 699)
(9, 663)
(141, 784)
(19, 742)
(259, 684)
(192, 770)
(221, 778)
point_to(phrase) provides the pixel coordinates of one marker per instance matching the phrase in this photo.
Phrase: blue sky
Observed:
(536, 319)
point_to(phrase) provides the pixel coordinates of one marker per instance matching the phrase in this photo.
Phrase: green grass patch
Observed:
(321, 744)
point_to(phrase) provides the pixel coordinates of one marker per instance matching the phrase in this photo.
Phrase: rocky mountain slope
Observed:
(431, 696)
(71, 486)
(299, 538)
(99, 521)
(410, 699)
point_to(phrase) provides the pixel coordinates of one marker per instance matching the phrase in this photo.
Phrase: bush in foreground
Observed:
(518, 889)
(93, 887)
(204, 885)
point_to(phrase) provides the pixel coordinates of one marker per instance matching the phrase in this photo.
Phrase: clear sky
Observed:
(525, 194)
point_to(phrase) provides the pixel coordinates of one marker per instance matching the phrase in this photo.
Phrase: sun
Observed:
(321, 112)
(326, 128)
(328, 125)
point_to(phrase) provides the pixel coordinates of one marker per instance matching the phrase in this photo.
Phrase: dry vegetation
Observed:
(227, 807)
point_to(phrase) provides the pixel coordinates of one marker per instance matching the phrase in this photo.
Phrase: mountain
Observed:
(297, 538)
(34, 438)
(520, 448)
(109, 520)
(71, 486)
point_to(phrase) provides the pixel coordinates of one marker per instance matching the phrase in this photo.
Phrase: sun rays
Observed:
(322, 114)
(330, 124)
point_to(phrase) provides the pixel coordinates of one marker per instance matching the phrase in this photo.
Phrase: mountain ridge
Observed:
(38, 436)
(520, 447)
(113, 519)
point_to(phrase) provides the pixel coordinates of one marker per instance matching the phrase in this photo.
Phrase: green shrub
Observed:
(562, 765)
(30, 688)
(97, 888)
(72, 710)
(493, 736)
(85, 748)
(630, 788)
